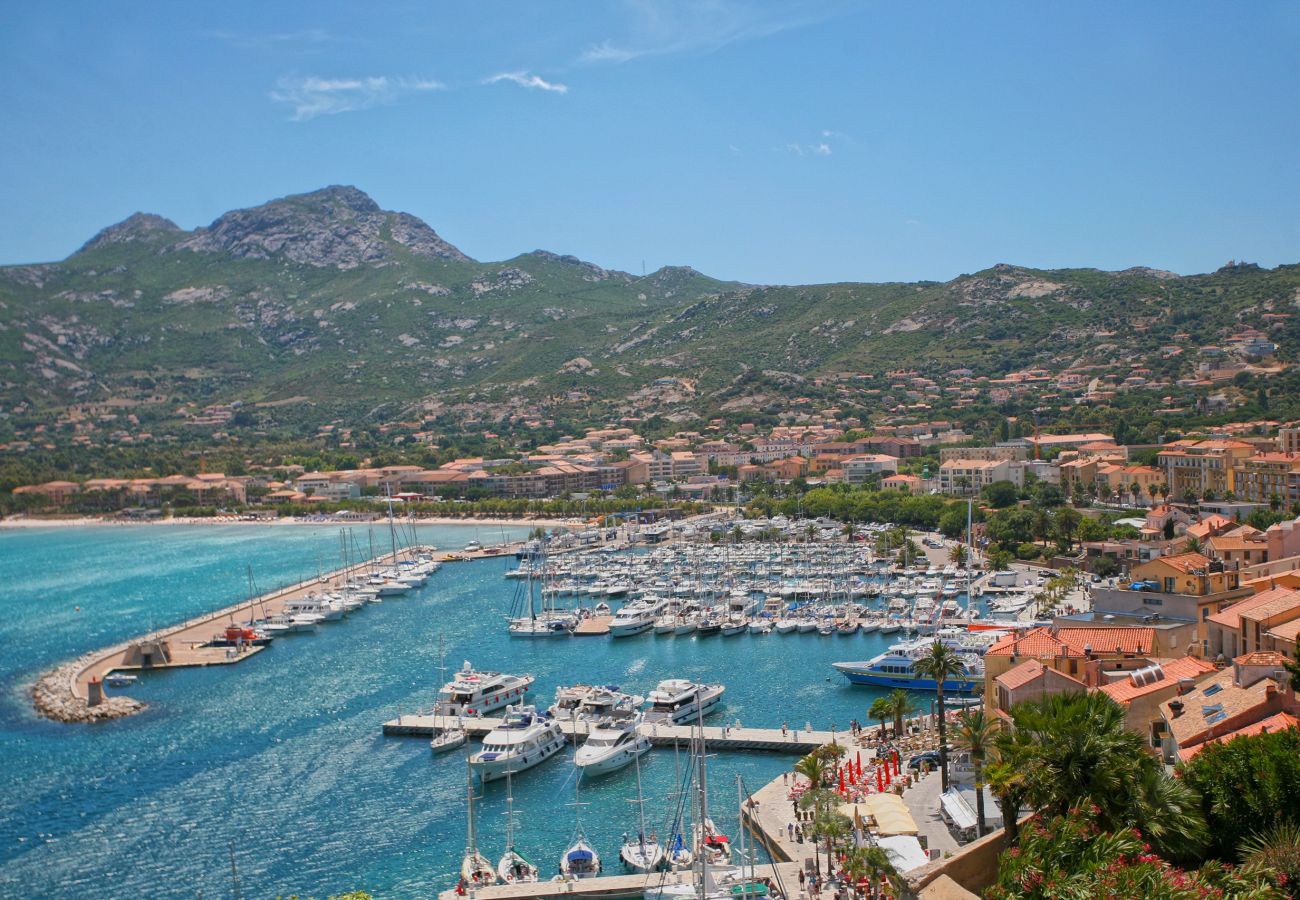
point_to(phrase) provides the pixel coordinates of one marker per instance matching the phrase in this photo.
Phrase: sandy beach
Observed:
(97, 522)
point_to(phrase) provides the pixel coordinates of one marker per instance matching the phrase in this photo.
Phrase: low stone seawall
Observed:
(55, 696)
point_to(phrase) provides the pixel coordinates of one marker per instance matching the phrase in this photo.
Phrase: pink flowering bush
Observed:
(1070, 858)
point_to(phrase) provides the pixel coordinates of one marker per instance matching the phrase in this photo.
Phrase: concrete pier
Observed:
(617, 885)
(799, 741)
(64, 693)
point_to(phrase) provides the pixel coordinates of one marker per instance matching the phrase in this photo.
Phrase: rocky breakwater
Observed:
(55, 696)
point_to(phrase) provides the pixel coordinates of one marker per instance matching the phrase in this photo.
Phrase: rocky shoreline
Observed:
(54, 697)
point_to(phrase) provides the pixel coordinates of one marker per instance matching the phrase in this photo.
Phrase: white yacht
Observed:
(637, 617)
(592, 703)
(524, 739)
(611, 745)
(678, 700)
(314, 605)
(472, 693)
(785, 626)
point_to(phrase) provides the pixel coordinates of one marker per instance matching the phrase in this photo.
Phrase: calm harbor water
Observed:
(281, 758)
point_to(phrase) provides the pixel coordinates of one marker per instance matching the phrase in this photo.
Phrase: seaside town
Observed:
(650, 450)
(1062, 583)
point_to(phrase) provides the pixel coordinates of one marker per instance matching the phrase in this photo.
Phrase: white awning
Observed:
(957, 810)
(904, 852)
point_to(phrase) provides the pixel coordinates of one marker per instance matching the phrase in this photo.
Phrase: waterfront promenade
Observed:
(74, 692)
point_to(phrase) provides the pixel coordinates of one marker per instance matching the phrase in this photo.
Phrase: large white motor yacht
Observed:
(523, 740)
(678, 700)
(472, 693)
(611, 745)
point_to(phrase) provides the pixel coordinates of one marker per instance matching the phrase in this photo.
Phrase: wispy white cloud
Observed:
(311, 96)
(660, 27)
(528, 80)
(272, 39)
(819, 149)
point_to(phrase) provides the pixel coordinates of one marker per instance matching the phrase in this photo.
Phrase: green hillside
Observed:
(327, 301)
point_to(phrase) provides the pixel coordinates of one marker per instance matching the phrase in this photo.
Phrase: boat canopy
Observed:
(578, 855)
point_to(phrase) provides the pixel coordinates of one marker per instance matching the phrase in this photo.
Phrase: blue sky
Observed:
(767, 142)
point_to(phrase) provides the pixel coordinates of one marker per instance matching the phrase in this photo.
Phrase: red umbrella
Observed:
(841, 781)
(896, 763)
(852, 778)
(859, 764)
(887, 778)
(880, 780)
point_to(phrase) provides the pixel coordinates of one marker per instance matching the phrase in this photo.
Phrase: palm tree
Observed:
(942, 664)
(975, 733)
(828, 823)
(813, 768)
(880, 711)
(871, 864)
(957, 555)
(1135, 491)
(1007, 779)
(900, 706)
(1153, 489)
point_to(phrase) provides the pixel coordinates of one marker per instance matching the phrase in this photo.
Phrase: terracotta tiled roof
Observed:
(1186, 562)
(1042, 643)
(1274, 607)
(1287, 631)
(1231, 616)
(1215, 700)
(1170, 672)
(1020, 675)
(1038, 642)
(1262, 658)
(1108, 640)
(1276, 722)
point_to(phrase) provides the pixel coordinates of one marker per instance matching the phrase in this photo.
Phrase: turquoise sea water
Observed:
(281, 756)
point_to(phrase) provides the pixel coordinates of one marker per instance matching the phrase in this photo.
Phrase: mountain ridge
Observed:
(324, 295)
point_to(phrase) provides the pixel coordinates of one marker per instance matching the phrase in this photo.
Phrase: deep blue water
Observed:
(281, 756)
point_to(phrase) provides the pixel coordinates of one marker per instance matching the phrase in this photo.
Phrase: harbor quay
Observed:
(718, 737)
(76, 691)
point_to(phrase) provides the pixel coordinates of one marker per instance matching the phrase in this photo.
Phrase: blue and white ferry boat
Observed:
(894, 667)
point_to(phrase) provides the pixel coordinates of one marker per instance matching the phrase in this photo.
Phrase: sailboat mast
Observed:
(640, 803)
(510, 813)
(472, 848)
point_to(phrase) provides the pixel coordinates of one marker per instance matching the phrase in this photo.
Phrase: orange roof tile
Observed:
(1020, 675)
(1276, 722)
(1170, 672)
(1186, 562)
(1230, 617)
(1108, 640)
(1287, 631)
(1262, 658)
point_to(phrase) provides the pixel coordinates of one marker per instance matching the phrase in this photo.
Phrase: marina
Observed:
(312, 758)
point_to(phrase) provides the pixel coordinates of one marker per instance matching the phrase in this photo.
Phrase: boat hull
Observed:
(612, 762)
(501, 766)
(907, 682)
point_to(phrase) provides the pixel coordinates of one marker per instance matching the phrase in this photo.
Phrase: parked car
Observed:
(924, 761)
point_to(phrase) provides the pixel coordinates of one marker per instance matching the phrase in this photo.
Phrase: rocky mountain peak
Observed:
(338, 226)
(135, 227)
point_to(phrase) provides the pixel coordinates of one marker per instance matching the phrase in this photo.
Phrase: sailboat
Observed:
(551, 622)
(580, 860)
(446, 737)
(712, 882)
(710, 844)
(474, 867)
(677, 855)
(514, 868)
(642, 853)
